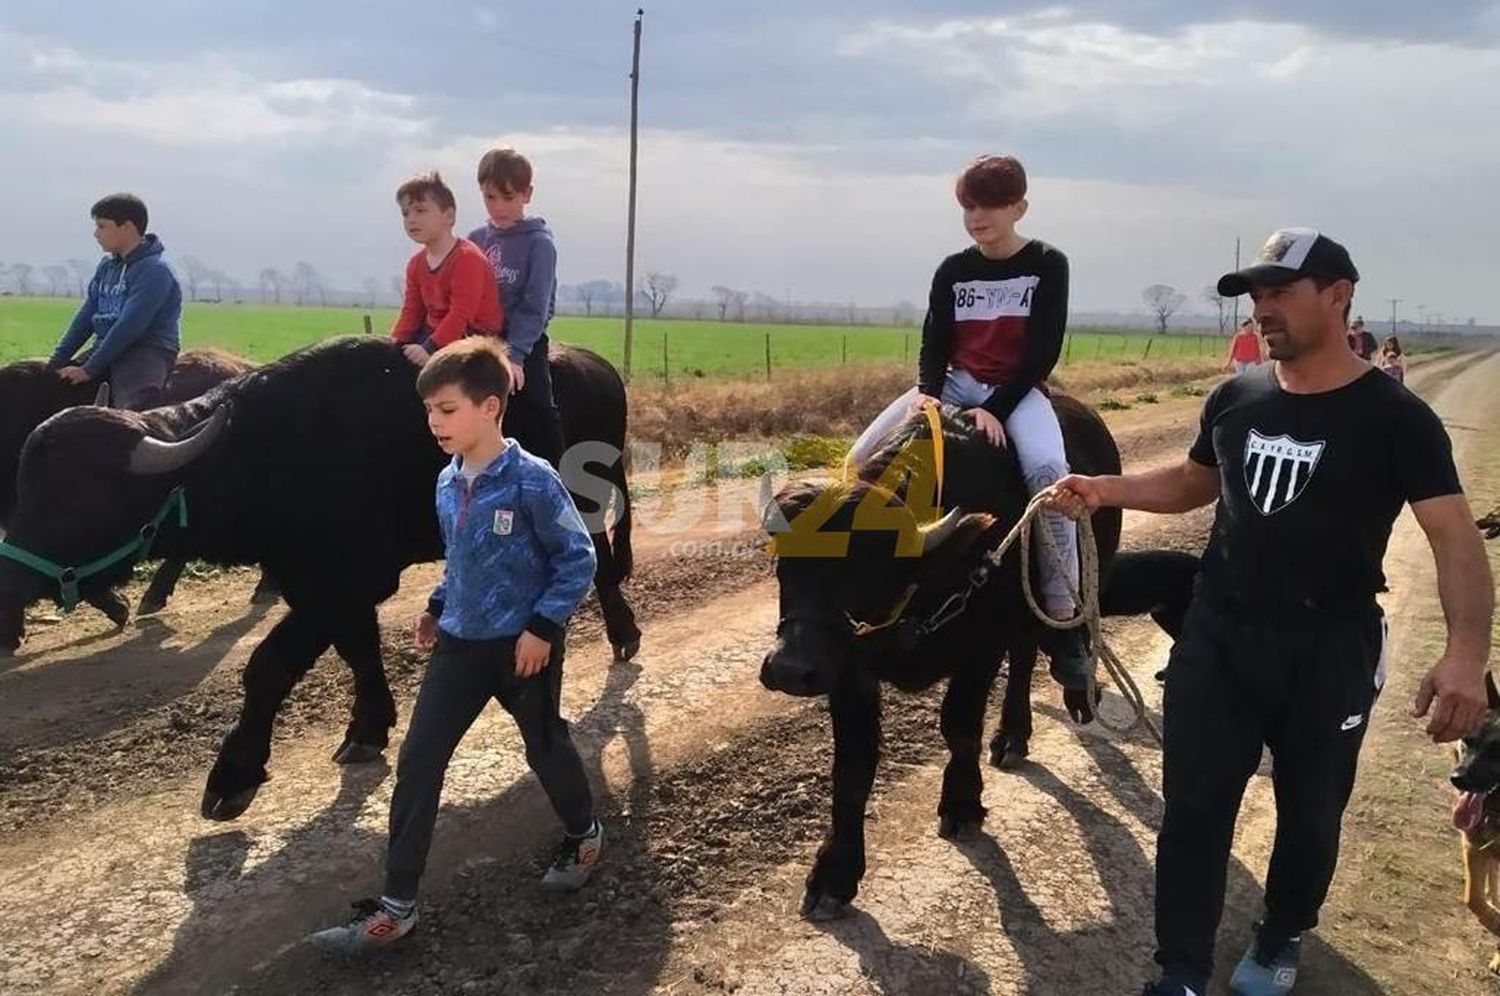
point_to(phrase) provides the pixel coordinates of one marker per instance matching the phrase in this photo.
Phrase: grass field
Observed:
(720, 350)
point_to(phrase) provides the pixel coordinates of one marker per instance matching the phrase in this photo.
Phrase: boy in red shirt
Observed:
(450, 291)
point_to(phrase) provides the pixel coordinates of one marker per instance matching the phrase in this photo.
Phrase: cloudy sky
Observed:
(803, 148)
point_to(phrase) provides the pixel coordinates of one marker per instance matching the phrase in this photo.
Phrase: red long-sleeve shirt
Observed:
(457, 297)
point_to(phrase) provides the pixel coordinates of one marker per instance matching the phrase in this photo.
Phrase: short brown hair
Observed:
(506, 170)
(477, 365)
(120, 208)
(991, 181)
(427, 187)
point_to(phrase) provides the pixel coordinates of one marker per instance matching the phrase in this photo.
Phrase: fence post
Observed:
(768, 357)
(666, 372)
(369, 328)
(906, 347)
(1099, 346)
(844, 359)
(1068, 352)
(1149, 340)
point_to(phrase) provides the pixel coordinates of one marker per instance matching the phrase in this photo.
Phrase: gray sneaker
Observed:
(372, 927)
(1266, 970)
(574, 859)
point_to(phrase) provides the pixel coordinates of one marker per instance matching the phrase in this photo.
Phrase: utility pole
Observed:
(1236, 325)
(635, 93)
(1394, 301)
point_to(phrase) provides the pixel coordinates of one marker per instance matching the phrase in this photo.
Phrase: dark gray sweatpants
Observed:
(462, 676)
(137, 377)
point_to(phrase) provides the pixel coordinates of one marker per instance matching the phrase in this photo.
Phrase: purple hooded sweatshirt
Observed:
(524, 259)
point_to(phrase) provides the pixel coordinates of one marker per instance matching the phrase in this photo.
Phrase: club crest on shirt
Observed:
(1277, 469)
(505, 520)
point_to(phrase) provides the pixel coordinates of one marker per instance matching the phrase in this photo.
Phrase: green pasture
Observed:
(683, 349)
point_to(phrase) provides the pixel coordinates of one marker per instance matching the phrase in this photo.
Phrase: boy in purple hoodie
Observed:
(524, 258)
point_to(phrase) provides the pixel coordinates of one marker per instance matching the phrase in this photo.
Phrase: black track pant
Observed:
(531, 414)
(462, 676)
(1234, 684)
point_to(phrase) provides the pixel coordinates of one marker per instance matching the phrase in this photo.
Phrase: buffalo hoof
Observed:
(822, 909)
(224, 808)
(626, 651)
(1076, 701)
(150, 604)
(354, 752)
(959, 829)
(1008, 752)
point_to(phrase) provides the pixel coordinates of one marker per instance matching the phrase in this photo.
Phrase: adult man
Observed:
(132, 310)
(1310, 459)
(1361, 339)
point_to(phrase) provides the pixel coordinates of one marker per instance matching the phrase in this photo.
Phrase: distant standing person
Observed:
(133, 309)
(1244, 348)
(1361, 340)
(1392, 360)
(524, 260)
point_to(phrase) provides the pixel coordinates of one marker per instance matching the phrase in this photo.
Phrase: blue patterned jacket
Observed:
(518, 554)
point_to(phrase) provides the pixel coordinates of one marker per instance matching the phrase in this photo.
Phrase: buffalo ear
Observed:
(101, 397)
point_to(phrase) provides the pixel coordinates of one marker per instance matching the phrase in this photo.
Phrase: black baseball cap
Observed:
(1291, 254)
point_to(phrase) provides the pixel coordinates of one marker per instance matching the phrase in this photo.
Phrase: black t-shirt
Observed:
(1002, 320)
(1310, 485)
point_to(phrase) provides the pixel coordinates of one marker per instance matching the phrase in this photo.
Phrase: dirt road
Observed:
(714, 791)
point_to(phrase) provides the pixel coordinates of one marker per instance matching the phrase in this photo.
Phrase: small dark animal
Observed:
(1476, 814)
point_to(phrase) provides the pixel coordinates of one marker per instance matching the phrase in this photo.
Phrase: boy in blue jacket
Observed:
(133, 309)
(519, 560)
(524, 258)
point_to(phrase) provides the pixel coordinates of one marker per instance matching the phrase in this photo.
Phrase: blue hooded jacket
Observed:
(134, 301)
(518, 554)
(524, 259)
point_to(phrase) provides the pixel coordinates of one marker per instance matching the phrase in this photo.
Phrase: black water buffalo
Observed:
(319, 467)
(843, 563)
(30, 393)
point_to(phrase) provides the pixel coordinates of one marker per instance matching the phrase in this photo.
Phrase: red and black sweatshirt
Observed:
(1002, 320)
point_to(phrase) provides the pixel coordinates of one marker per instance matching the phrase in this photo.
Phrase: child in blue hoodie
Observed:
(524, 258)
(519, 560)
(133, 309)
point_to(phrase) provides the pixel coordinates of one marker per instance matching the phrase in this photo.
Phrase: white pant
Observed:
(1032, 428)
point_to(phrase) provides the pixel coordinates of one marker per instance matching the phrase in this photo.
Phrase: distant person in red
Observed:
(1244, 348)
(450, 289)
(1360, 340)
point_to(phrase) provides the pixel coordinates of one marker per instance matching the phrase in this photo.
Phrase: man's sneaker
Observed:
(1266, 970)
(373, 926)
(574, 860)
